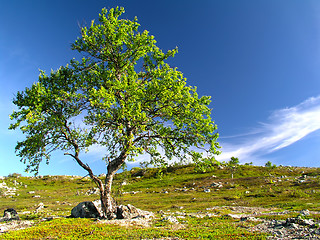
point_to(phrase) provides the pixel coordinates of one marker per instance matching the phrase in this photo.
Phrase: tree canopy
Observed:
(122, 95)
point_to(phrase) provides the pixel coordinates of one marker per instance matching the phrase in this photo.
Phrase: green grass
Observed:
(213, 228)
(277, 188)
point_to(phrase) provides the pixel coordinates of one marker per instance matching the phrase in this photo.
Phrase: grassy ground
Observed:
(280, 188)
(205, 228)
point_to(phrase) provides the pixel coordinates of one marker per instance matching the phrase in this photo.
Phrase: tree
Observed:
(270, 165)
(121, 96)
(233, 164)
(234, 161)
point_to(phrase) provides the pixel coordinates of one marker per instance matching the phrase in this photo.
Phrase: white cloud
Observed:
(285, 127)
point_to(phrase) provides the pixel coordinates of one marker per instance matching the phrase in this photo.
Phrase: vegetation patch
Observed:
(181, 194)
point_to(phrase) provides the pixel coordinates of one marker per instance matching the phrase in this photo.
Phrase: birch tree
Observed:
(123, 96)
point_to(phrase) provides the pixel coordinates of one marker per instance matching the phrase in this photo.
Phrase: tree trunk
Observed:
(108, 204)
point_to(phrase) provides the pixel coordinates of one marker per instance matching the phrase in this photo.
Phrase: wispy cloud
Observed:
(284, 128)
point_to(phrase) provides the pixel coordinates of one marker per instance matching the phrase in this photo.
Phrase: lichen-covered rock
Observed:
(129, 212)
(93, 209)
(87, 209)
(9, 215)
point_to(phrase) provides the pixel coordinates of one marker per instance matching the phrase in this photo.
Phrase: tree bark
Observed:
(108, 204)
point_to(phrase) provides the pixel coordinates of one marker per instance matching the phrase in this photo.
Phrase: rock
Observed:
(10, 214)
(294, 226)
(129, 212)
(305, 212)
(7, 191)
(87, 209)
(161, 212)
(93, 209)
(252, 219)
(234, 216)
(178, 207)
(39, 208)
(132, 192)
(139, 173)
(170, 219)
(93, 191)
(217, 185)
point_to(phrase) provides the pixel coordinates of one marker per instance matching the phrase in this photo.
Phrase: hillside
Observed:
(255, 203)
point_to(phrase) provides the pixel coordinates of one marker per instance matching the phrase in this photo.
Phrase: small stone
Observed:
(170, 219)
(294, 226)
(124, 183)
(305, 212)
(234, 216)
(39, 208)
(161, 212)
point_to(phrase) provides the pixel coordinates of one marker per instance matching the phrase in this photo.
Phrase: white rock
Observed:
(170, 219)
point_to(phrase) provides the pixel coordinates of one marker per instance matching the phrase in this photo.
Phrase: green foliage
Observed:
(270, 165)
(233, 161)
(122, 95)
(14, 175)
(203, 165)
(248, 164)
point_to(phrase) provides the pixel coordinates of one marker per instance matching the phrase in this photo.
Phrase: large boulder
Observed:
(87, 209)
(10, 214)
(129, 212)
(93, 209)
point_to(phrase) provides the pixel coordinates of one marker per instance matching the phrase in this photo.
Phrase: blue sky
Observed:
(259, 60)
